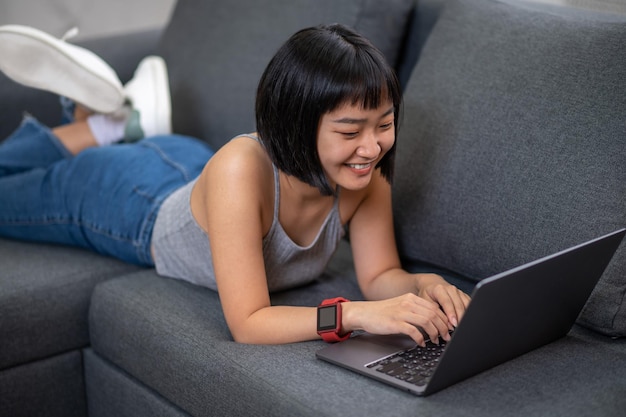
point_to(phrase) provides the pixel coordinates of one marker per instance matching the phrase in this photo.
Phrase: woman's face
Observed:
(352, 140)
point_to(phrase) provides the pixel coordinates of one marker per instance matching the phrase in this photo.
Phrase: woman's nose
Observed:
(369, 147)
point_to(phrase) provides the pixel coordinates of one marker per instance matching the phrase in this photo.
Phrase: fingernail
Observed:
(454, 321)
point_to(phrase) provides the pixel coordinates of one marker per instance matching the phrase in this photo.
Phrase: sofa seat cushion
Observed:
(51, 387)
(112, 393)
(512, 146)
(217, 51)
(170, 337)
(44, 298)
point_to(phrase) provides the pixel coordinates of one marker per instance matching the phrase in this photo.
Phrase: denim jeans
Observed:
(105, 199)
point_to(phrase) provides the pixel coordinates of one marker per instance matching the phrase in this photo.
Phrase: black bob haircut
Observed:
(317, 70)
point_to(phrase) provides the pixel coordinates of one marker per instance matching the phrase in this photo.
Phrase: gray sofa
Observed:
(512, 146)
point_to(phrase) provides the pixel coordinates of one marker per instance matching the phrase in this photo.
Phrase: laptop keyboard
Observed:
(414, 366)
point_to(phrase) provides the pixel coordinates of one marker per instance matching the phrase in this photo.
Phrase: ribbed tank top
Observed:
(181, 248)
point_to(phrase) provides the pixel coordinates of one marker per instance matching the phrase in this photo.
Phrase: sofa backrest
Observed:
(216, 52)
(513, 144)
(421, 22)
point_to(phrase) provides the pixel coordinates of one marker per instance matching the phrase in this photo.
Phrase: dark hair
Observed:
(317, 70)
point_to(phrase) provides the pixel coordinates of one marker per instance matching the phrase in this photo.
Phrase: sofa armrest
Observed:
(122, 52)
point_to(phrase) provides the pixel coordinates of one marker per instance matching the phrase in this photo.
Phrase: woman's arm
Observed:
(236, 209)
(235, 194)
(378, 266)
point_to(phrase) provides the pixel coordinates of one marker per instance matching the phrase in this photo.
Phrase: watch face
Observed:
(327, 318)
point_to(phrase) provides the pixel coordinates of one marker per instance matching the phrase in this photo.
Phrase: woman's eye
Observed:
(386, 125)
(349, 134)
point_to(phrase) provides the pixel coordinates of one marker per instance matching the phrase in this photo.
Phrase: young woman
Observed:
(265, 213)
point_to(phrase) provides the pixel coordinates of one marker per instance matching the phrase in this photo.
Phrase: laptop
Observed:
(525, 307)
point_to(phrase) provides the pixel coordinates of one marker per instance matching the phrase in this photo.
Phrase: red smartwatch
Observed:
(329, 320)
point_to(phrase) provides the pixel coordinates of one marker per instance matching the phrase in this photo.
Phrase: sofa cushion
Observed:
(421, 22)
(51, 387)
(512, 146)
(171, 338)
(111, 393)
(44, 298)
(217, 51)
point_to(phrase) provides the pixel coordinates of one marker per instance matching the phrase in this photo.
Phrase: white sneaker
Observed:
(148, 94)
(36, 59)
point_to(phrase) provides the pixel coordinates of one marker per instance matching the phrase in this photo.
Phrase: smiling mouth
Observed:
(359, 166)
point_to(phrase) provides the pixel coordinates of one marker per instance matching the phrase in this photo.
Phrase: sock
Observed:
(106, 128)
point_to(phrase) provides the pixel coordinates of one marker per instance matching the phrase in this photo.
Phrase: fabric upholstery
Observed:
(111, 392)
(52, 387)
(512, 146)
(217, 51)
(170, 337)
(45, 298)
(422, 20)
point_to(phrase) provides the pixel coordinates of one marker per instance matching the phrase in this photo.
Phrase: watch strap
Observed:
(333, 335)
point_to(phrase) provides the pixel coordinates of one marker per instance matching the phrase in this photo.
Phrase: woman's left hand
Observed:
(453, 301)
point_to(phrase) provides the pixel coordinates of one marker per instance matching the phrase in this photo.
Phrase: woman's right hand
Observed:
(406, 314)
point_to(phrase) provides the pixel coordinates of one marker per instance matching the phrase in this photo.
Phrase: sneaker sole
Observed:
(161, 95)
(26, 55)
(156, 95)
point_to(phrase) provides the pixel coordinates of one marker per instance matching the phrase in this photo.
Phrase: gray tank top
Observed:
(181, 248)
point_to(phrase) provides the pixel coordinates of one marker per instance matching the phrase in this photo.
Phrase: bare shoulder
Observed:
(240, 174)
(238, 157)
(241, 164)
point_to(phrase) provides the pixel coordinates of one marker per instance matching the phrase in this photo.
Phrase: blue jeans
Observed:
(105, 199)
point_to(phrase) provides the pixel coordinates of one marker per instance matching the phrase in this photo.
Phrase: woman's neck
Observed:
(299, 190)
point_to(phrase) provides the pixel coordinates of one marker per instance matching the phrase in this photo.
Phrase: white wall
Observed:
(92, 17)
